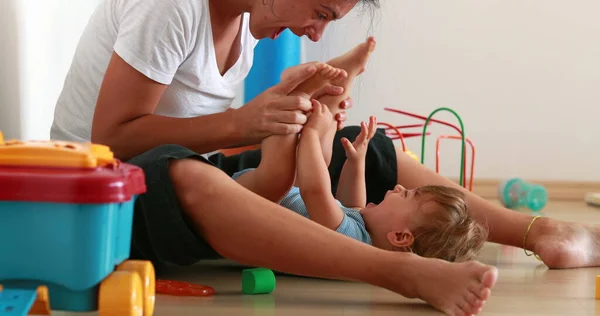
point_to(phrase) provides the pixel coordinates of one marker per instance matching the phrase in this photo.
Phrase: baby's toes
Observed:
(325, 70)
(320, 65)
(342, 74)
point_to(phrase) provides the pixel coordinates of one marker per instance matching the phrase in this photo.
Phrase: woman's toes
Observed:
(479, 310)
(474, 302)
(484, 294)
(466, 307)
(457, 311)
(471, 298)
(477, 306)
(490, 277)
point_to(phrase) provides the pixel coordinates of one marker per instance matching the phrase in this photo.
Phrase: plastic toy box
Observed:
(66, 212)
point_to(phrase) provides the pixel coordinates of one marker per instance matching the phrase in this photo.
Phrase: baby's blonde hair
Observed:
(448, 231)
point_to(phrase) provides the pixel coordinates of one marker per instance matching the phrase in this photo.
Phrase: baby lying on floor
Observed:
(431, 221)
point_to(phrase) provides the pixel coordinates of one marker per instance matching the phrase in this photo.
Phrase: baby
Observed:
(431, 221)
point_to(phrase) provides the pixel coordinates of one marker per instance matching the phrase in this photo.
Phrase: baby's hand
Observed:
(358, 150)
(320, 119)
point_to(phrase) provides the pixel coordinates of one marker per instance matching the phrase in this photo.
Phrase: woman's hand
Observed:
(329, 89)
(273, 111)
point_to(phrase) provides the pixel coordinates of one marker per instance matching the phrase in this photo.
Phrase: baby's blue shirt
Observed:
(352, 224)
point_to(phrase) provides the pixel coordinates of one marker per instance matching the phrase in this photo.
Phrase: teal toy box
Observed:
(66, 213)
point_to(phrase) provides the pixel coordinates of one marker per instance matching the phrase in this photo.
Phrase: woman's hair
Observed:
(448, 231)
(374, 3)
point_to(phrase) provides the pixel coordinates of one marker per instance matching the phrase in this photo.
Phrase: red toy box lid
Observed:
(109, 184)
(65, 172)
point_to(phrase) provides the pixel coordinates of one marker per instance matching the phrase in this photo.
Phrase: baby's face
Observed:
(398, 210)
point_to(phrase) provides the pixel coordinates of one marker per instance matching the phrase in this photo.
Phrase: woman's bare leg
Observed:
(248, 229)
(559, 244)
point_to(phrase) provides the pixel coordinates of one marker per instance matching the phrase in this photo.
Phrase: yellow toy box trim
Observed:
(51, 153)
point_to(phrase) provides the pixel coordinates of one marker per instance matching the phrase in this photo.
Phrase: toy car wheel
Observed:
(121, 294)
(145, 270)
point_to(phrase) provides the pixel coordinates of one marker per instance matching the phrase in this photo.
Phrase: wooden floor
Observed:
(525, 287)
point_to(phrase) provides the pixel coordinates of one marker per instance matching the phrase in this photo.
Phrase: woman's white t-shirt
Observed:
(169, 41)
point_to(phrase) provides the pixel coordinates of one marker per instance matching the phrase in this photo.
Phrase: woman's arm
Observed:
(124, 118)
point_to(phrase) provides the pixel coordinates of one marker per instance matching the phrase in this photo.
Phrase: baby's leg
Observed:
(328, 74)
(275, 174)
(327, 143)
(353, 64)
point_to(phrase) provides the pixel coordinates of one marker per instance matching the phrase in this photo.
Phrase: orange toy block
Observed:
(41, 306)
(598, 287)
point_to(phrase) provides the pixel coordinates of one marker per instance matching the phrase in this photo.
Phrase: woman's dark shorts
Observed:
(163, 234)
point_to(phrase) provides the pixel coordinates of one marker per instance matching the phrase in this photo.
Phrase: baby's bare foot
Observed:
(324, 76)
(453, 288)
(354, 63)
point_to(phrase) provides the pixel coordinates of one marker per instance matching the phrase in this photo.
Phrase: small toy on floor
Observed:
(258, 281)
(179, 288)
(515, 193)
(593, 199)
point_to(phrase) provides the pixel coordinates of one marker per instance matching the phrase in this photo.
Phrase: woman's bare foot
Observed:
(453, 288)
(354, 63)
(355, 60)
(325, 75)
(563, 245)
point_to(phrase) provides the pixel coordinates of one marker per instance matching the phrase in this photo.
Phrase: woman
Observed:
(153, 79)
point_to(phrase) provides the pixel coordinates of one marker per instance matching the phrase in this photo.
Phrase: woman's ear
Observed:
(401, 238)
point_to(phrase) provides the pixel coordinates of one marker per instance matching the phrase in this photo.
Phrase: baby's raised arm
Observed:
(352, 188)
(313, 177)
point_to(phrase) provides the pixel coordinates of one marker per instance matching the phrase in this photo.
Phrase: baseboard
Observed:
(557, 190)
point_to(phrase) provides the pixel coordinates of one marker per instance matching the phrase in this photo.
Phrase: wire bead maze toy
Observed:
(394, 133)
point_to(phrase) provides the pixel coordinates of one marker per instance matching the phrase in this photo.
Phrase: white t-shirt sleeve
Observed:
(154, 36)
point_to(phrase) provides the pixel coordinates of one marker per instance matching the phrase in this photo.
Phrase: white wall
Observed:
(10, 123)
(523, 74)
(534, 64)
(38, 43)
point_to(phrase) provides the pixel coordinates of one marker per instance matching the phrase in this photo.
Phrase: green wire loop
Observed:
(462, 132)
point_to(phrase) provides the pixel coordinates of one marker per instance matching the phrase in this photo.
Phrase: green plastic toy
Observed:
(258, 281)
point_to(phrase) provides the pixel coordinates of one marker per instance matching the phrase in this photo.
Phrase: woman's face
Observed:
(269, 18)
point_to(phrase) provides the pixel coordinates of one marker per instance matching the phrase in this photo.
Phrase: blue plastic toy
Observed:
(515, 193)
